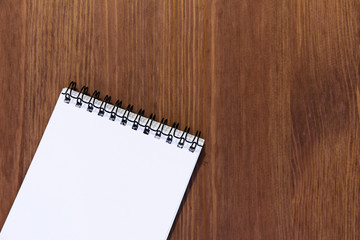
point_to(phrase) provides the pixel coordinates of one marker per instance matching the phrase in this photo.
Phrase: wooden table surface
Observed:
(272, 85)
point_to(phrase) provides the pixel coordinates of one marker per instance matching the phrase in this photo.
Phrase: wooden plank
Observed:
(272, 85)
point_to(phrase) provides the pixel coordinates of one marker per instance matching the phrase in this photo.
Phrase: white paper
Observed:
(92, 178)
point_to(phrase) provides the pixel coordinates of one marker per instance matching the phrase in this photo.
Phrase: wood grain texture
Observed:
(273, 85)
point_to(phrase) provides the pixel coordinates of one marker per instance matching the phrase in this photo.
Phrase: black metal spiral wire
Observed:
(125, 116)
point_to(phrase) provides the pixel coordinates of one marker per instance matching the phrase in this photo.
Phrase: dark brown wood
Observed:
(273, 85)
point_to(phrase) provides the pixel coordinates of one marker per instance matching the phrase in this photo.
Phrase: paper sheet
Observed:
(92, 178)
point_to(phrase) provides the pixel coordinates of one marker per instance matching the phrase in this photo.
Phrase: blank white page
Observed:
(92, 178)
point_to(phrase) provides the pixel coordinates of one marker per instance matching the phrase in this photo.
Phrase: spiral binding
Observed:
(136, 122)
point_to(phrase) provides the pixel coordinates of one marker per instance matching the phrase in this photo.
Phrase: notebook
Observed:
(103, 172)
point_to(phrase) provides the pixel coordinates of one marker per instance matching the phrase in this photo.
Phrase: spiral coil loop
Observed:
(158, 131)
(170, 137)
(125, 116)
(136, 121)
(84, 90)
(71, 87)
(94, 96)
(113, 114)
(182, 138)
(101, 112)
(147, 127)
